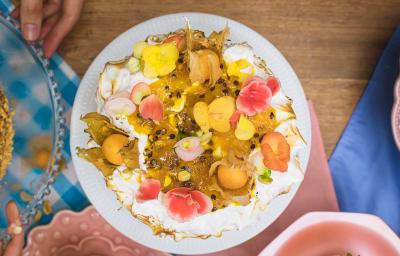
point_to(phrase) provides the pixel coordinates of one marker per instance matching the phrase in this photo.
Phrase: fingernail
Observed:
(12, 206)
(30, 31)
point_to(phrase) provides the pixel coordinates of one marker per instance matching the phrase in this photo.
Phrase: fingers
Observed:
(48, 25)
(51, 7)
(31, 14)
(70, 15)
(14, 248)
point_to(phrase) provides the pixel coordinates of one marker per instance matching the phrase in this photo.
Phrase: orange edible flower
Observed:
(276, 151)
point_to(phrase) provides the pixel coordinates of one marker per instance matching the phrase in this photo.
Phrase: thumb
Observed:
(31, 12)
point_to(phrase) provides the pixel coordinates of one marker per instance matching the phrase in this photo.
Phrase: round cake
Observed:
(6, 134)
(193, 133)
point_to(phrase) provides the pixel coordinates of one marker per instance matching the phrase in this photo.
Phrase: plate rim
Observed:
(282, 59)
(396, 112)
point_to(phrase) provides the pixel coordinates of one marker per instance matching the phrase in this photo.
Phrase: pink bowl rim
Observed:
(73, 214)
(371, 222)
(396, 113)
(53, 222)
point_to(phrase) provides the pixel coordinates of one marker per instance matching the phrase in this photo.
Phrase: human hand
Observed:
(49, 20)
(14, 247)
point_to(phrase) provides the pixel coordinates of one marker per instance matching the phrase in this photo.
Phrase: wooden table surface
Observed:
(332, 45)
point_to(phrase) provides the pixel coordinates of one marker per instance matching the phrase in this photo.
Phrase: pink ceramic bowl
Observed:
(396, 113)
(84, 233)
(335, 233)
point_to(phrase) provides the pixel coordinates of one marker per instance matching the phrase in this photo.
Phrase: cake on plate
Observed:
(193, 133)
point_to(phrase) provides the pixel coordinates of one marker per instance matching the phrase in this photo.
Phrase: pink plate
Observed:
(335, 233)
(81, 233)
(396, 113)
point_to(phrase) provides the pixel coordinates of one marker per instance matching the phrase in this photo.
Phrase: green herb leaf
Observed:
(265, 176)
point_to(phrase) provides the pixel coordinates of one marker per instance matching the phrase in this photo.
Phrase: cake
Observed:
(6, 134)
(194, 134)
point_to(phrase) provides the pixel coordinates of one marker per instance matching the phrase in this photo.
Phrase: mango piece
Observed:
(200, 113)
(245, 129)
(231, 178)
(183, 176)
(111, 147)
(167, 181)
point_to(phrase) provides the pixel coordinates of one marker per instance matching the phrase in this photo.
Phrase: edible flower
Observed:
(148, 190)
(151, 108)
(189, 148)
(179, 40)
(254, 97)
(119, 104)
(184, 204)
(245, 129)
(241, 69)
(139, 91)
(159, 60)
(276, 151)
(216, 115)
(271, 82)
(235, 118)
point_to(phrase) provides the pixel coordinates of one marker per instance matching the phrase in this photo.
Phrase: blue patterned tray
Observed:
(38, 122)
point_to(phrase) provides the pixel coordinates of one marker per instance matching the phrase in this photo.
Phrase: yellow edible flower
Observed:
(159, 60)
(216, 115)
(138, 49)
(245, 129)
(241, 69)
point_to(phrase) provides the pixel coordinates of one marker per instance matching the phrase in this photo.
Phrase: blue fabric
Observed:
(366, 163)
(66, 192)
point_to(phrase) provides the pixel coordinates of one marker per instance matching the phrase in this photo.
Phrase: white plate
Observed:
(105, 201)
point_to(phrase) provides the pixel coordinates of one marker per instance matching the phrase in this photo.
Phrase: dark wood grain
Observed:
(333, 45)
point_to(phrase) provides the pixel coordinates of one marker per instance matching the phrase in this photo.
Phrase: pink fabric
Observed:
(316, 193)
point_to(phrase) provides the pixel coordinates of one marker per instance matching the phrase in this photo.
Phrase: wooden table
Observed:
(332, 45)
